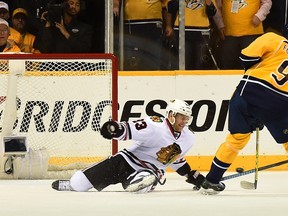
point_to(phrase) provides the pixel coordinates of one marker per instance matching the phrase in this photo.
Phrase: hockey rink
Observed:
(36, 198)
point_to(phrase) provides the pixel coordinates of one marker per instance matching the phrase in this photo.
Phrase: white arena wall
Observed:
(141, 93)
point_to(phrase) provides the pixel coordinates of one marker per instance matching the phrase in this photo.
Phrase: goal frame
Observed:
(113, 58)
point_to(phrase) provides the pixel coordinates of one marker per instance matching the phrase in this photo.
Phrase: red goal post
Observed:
(59, 102)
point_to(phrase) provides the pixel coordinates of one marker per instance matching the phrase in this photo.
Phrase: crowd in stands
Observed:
(215, 30)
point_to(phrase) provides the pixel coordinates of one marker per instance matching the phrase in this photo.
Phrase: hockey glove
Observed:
(111, 129)
(194, 177)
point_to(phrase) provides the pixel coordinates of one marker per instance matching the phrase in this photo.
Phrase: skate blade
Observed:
(208, 192)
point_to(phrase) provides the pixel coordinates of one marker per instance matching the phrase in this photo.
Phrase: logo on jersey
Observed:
(156, 119)
(194, 4)
(169, 154)
(241, 4)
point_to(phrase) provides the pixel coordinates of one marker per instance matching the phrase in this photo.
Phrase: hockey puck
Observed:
(239, 170)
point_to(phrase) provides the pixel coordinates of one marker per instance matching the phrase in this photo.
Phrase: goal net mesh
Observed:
(59, 104)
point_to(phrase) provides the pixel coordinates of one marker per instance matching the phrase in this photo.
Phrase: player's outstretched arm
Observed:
(111, 129)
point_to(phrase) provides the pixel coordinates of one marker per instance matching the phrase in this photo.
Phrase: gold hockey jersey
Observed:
(272, 51)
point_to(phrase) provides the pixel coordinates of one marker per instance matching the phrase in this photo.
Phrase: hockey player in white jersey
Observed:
(159, 143)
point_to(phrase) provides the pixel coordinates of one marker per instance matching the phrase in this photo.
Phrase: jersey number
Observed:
(140, 124)
(284, 77)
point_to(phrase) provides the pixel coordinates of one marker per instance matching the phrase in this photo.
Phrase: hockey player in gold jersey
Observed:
(260, 99)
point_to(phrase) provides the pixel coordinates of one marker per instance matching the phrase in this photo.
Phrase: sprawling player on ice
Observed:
(159, 143)
(261, 98)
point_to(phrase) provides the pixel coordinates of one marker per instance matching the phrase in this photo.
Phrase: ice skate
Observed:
(142, 182)
(211, 188)
(62, 185)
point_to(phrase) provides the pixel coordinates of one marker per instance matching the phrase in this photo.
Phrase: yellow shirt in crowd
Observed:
(238, 20)
(143, 10)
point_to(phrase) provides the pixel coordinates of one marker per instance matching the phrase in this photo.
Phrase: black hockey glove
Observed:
(194, 177)
(111, 129)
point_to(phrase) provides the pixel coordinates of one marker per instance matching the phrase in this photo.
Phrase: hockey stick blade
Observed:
(248, 185)
(253, 170)
(253, 185)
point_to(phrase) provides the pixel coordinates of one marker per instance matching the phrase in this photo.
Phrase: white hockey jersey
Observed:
(150, 135)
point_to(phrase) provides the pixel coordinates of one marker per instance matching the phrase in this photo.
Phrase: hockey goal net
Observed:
(58, 102)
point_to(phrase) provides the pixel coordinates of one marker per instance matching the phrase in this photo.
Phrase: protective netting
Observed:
(60, 106)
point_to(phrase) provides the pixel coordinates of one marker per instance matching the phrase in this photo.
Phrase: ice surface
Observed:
(36, 197)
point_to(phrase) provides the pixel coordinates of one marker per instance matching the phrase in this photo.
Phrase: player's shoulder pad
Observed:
(156, 119)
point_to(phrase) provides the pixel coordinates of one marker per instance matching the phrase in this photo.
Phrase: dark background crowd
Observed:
(92, 12)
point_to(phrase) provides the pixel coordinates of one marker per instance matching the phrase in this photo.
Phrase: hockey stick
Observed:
(253, 170)
(253, 185)
(210, 52)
